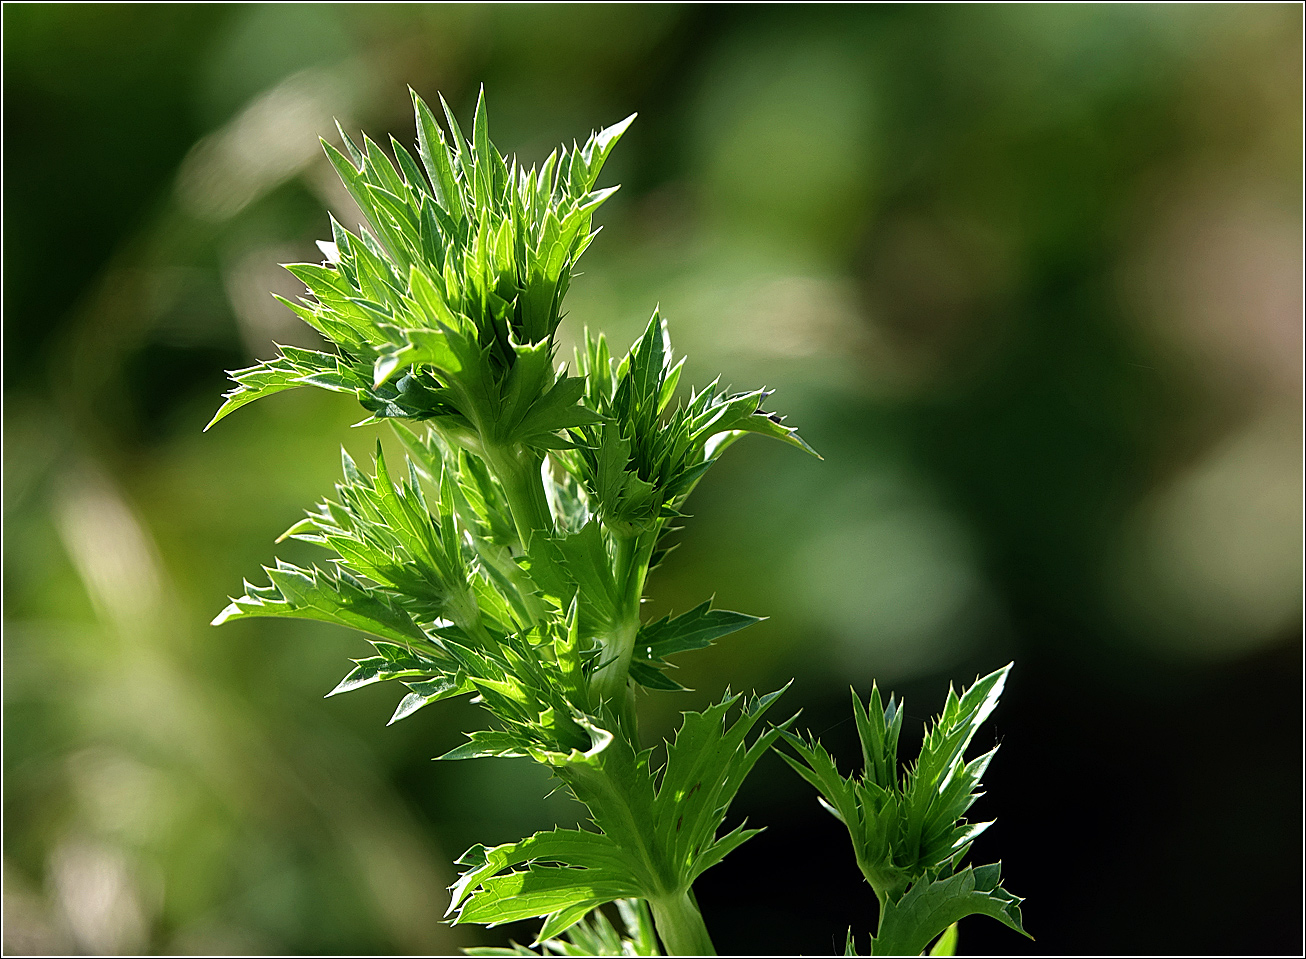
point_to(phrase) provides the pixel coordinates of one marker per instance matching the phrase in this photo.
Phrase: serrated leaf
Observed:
(539, 891)
(327, 597)
(376, 669)
(430, 691)
(599, 145)
(928, 908)
(696, 629)
(432, 150)
(652, 677)
(586, 561)
(593, 871)
(706, 764)
(486, 743)
(293, 368)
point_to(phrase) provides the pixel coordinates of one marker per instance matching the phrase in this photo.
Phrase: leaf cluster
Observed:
(645, 456)
(433, 578)
(658, 826)
(907, 824)
(445, 308)
(428, 567)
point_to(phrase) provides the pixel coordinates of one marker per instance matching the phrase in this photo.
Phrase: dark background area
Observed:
(1028, 277)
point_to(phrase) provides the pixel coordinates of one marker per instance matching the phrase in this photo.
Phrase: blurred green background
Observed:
(1029, 277)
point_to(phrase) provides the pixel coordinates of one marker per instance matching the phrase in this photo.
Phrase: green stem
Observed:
(622, 562)
(609, 680)
(883, 900)
(630, 569)
(680, 925)
(518, 471)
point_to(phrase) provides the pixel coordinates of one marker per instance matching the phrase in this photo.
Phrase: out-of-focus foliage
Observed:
(1029, 279)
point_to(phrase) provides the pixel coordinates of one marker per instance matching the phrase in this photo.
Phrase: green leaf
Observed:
(430, 691)
(742, 413)
(817, 766)
(541, 890)
(486, 743)
(557, 410)
(395, 662)
(929, 907)
(638, 919)
(412, 173)
(324, 596)
(566, 920)
(432, 150)
(458, 146)
(696, 629)
(254, 384)
(293, 368)
(706, 764)
(482, 150)
(599, 145)
(652, 677)
(593, 871)
(585, 558)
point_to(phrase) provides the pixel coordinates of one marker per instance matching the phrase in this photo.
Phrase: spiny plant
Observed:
(908, 827)
(507, 559)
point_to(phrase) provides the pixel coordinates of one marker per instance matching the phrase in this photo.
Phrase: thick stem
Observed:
(680, 925)
(518, 471)
(609, 680)
(630, 568)
(885, 890)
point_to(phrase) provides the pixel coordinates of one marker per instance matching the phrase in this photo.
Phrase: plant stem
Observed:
(630, 568)
(680, 925)
(609, 680)
(518, 471)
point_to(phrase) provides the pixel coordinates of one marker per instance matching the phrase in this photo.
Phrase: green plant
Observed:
(508, 559)
(908, 827)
